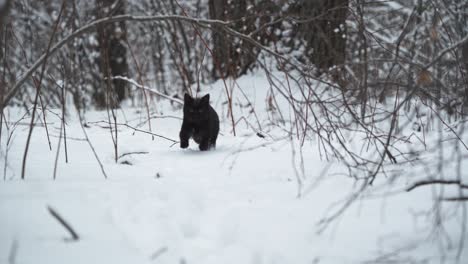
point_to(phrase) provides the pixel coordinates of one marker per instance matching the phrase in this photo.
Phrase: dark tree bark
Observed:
(461, 19)
(3, 14)
(465, 55)
(322, 27)
(4, 9)
(464, 52)
(113, 55)
(232, 57)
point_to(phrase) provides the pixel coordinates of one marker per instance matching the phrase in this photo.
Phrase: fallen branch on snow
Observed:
(136, 129)
(455, 199)
(131, 153)
(64, 223)
(13, 252)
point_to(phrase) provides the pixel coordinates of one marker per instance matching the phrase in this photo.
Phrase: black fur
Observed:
(200, 123)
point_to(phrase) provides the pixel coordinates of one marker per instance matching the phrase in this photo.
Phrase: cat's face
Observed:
(196, 109)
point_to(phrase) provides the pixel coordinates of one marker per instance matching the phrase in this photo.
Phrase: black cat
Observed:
(200, 123)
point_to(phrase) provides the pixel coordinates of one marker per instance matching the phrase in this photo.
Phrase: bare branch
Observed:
(133, 82)
(91, 26)
(38, 92)
(201, 22)
(436, 181)
(92, 147)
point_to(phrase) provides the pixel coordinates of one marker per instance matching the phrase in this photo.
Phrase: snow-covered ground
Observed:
(236, 204)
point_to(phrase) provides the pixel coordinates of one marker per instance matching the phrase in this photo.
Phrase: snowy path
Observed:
(185, 206)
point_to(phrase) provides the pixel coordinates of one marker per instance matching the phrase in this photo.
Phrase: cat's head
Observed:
(196, 109)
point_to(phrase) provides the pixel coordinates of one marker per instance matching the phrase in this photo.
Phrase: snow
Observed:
(236, 204)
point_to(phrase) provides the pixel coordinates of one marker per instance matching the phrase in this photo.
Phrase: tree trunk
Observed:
(462, 28)
(323, 30)
(232, 57)
(4, 8)
(113, 55)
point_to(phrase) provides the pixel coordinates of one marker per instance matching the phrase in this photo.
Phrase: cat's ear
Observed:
(187, 98)
(205, 99)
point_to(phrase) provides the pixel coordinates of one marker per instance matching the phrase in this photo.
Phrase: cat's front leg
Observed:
(204, 145)
(184, 136)
(184, 143)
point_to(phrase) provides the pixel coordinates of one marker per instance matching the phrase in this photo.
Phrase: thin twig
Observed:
(92, 147)
(158, 253)
(43, 109)
(64, 102)
(38, 91)
(140, 80)
(58, 151)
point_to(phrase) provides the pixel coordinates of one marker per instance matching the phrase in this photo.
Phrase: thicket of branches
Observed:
(369, 67)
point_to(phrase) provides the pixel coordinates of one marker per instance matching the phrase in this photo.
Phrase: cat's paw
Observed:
(203, 147)
(183, 144)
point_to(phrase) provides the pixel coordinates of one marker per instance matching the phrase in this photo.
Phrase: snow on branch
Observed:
(135, 83)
